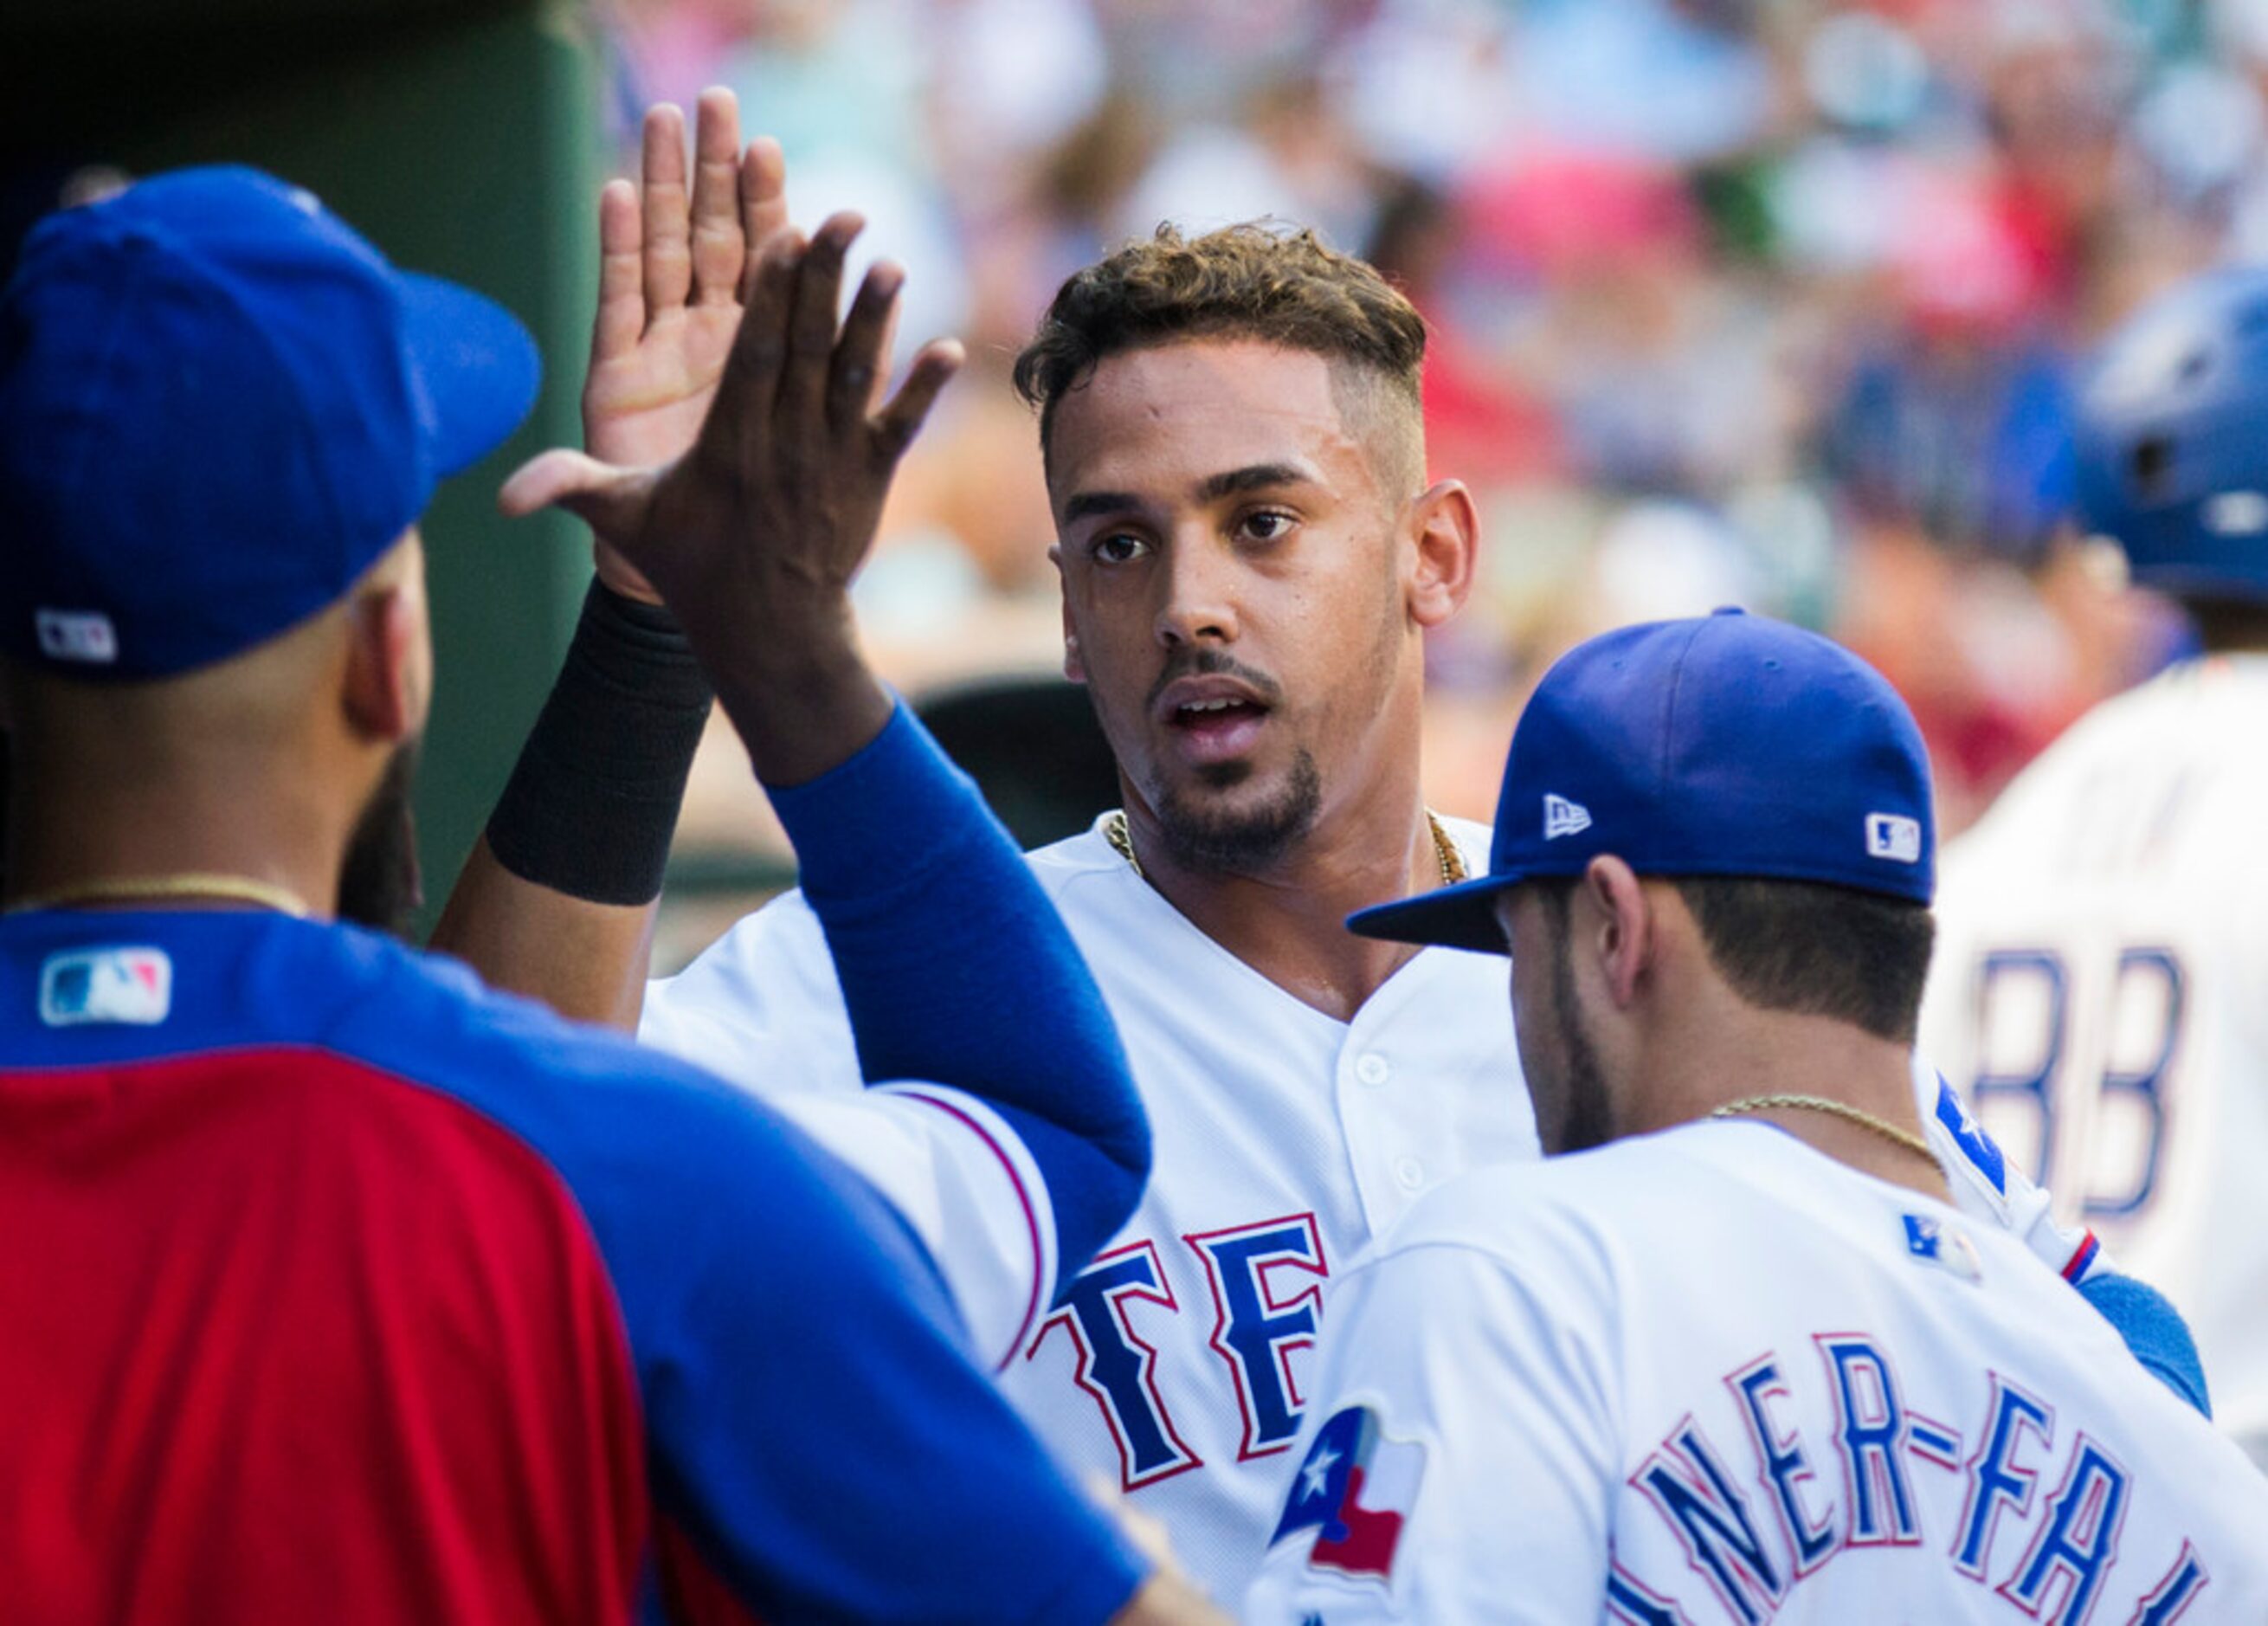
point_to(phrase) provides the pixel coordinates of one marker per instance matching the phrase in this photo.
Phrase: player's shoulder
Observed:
(1120, 922)
(1062, 864)
(789, 918)
(773, 956)
(425, 1012)
(668, 1163)
(237, 982)
(1564, 1215)
(602, 1108)
(2180, 709)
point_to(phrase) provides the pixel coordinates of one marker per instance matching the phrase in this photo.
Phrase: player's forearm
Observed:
(790, 678)
(558, 900)
(584, 960)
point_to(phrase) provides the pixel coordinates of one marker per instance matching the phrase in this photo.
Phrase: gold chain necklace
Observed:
(1889, 1132)
(1451, 861)
(194, 884)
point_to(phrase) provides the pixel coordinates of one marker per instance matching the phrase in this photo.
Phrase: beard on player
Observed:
(380, 885)
(1215, 840)
(1565, 1078)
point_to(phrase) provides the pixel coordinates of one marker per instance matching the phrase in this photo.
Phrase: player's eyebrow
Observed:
(1086, 503)
(1212, 488)
(1251, 477)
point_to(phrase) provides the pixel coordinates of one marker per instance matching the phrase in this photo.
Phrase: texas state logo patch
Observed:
(1355, 1490)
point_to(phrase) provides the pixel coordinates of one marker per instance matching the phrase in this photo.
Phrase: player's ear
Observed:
(389, 658)
(1073, 668)
(1625, 929)
(1446, 527)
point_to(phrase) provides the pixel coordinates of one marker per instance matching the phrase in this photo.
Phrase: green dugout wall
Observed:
(462, 139)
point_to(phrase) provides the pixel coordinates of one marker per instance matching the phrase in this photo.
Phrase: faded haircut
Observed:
(1807, 947)
(1254, 281)
(1823, 950)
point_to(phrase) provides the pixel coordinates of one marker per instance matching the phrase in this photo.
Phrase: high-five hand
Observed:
(670, 270)
(753, 535)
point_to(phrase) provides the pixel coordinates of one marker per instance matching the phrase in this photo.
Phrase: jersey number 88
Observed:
(2087, 1047)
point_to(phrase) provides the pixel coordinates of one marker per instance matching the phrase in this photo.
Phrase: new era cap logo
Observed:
(1895, 836)
(1562, 817)
(81, 635)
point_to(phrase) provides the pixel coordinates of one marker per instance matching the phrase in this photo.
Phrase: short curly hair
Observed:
(1257, 280)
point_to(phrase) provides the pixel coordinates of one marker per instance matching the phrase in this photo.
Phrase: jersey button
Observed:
(1373, 1068)
(1408, 1173)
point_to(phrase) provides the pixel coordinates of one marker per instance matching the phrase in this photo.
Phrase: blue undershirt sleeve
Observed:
(956, 969)
(2154, 1330)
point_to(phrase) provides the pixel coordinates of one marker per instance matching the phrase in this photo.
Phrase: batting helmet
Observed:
(2173, 439)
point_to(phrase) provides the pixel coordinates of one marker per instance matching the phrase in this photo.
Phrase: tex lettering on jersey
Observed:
(1755, 1513)
(1266, 1282)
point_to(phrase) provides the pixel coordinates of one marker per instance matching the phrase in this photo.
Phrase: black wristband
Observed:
(592, 803)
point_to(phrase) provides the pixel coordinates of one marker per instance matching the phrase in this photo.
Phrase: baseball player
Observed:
(2101, 937)
(341, 1288)
(1731, 1354)
(1250, 558)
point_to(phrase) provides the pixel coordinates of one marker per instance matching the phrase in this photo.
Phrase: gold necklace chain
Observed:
(1889, 1132)
(1115, 831)
(192, 884)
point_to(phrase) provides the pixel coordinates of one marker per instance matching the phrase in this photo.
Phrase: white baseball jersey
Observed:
(1176, 1364)
(1712, 1375)
(2097, 995)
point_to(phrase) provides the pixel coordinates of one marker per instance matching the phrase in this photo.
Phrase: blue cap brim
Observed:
(478, 364)
(1462, 916)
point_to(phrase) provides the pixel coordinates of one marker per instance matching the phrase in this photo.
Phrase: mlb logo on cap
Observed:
(1894, 836)
(1724, 745)
(87, 636)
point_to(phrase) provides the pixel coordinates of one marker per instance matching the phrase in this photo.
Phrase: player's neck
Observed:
(1740, 1056)
(2227, 627)
(68, 837)
(1287, 920)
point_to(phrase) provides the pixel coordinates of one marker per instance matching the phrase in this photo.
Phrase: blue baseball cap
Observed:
(1724, 745)
(218, 407)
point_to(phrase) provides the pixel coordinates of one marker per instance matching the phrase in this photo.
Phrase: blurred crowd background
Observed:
(1767, 302)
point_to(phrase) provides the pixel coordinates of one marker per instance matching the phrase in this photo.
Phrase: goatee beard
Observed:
(379, 884)
(1245, 842)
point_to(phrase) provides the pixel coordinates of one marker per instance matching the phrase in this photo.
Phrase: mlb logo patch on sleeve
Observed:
(105, 985)
(1932, 1242)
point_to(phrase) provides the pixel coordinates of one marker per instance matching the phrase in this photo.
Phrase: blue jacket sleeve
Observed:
(956, 969)
(2154, 1330)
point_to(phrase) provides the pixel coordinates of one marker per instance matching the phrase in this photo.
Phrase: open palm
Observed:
(673, 256)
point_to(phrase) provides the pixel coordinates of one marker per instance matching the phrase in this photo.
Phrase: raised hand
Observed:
(753, 535)
(671, 263)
